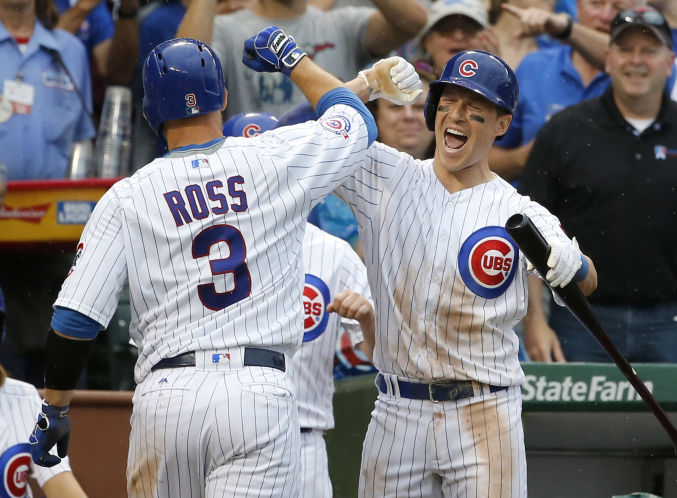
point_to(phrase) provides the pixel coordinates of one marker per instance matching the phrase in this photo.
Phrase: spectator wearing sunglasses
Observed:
(608, 168)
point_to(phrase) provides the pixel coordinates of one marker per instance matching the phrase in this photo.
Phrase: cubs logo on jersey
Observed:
(315, 300)
(486, 261)
(15, 465)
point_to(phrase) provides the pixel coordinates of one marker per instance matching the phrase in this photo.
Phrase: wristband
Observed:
(564, 35)
(366, 81)
(583, 271)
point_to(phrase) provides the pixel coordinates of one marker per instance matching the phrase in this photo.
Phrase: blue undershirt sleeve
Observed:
(74, 324)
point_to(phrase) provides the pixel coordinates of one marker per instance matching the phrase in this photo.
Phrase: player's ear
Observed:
(225, 100)
(502, 124)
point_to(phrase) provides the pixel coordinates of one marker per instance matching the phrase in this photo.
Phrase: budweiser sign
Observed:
(30, 214)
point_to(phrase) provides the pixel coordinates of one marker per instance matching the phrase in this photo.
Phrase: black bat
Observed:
(536, 249)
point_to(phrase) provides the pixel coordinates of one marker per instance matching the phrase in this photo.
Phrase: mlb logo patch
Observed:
(221, 358)
(196, 163)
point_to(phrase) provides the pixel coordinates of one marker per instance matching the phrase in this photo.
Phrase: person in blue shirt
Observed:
(553, 78)
(112, 45)
(47, 93)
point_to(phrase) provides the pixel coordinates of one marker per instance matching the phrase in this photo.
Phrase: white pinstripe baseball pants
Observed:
(473, 447)
(223, 433)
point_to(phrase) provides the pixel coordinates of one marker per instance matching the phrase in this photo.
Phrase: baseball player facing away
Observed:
(18, 403)
(336, 297)
(449, 284)
(208, 239)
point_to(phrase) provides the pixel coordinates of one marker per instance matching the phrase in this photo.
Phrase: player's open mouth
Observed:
(454, 139)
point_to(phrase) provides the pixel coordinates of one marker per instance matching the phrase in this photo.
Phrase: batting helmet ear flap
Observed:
(430, 108)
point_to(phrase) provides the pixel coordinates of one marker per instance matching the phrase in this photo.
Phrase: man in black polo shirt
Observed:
(608, 169)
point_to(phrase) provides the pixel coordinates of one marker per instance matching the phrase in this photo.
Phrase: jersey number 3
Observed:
(234, 263)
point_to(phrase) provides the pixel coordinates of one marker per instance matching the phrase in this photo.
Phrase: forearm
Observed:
(590, 43)
(396, 22)
(589, 284)
(198, 22)
(359, 87)
(71, 19)
(404, 16)
(535, 313)
(123, 52)
(63, 484)
(369, 332)
(58, 397)
(313, 81)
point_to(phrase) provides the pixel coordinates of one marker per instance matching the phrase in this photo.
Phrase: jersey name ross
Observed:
(203, 200)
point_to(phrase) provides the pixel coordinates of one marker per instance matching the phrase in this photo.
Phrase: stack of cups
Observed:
(114, 140)
(80, 162)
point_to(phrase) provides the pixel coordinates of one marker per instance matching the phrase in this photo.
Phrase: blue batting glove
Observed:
(53, 427)
(272, 50)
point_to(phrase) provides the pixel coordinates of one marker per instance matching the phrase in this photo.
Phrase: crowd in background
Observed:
(59, 57)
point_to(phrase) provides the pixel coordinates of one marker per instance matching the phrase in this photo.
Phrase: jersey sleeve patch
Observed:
(486, 261)
(338, 124)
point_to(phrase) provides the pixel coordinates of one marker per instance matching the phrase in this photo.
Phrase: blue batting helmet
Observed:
(480, 72)
(249, 124)
(181, 78)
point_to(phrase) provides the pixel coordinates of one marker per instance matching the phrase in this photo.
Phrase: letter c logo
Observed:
(468, 68)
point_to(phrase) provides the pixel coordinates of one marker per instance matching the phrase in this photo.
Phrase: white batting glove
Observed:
(393, 79)
(564, 261)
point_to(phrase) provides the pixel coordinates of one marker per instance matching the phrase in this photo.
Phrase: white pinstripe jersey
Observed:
(209, 239)
(445, 283)
(331, 266)
(19, 405)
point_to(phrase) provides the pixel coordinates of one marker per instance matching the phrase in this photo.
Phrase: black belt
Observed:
(306, 429)
(447, 390)
(253, 357)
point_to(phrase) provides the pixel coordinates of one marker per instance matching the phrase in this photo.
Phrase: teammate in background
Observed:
(336, 297)
(19, 402)
(208, 240)
(449, 284)
(630, 135)
(341, 40)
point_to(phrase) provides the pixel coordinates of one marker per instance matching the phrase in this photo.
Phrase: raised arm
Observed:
(395, 22)
(198, 22)
(590, 43)
(122, 52)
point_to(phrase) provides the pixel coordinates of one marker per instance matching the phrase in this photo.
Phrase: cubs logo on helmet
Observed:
(315, 300)
(249, 124)
(15, 464)
(486, 261)
(467, 68)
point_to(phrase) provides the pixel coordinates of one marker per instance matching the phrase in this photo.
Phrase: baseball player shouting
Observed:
(208, 239)
(336, 297)
(449, 284)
